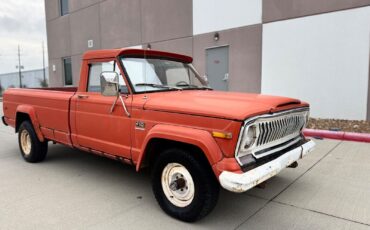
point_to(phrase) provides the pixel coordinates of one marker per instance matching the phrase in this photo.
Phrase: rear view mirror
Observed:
(109, 83)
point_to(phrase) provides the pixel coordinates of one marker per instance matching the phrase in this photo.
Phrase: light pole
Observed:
(19, 67)
(43, 61)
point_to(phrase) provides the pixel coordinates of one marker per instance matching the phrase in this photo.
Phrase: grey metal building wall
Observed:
(115, 24)
(168, 25)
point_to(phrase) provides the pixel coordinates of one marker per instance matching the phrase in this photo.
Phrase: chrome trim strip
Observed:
(290, 143)
(238, 144)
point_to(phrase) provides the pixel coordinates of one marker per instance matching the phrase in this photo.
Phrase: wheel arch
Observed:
(161, 137)
(27, 113)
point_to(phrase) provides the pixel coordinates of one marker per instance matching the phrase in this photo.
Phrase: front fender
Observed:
(27, 109)
(200, 138)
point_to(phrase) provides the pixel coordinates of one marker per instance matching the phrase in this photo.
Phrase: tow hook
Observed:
(262, 185)
(293, 165)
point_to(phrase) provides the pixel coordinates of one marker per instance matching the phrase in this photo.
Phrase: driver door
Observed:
(96, 127)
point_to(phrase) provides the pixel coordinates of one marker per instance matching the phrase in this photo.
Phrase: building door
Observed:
(217, 69)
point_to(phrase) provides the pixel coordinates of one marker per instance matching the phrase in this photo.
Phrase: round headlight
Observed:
(250, 137)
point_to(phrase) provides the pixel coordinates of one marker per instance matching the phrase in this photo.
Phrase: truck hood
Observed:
(228, 105)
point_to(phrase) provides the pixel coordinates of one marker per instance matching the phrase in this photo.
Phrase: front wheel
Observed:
(31, 148)
(184, 185)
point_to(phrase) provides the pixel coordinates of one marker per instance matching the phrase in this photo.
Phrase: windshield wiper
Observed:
(190, 86)
(158, 86)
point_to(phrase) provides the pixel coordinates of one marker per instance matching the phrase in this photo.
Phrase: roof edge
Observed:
(112, 53)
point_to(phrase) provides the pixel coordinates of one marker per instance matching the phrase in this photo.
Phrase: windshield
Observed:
(150, 74)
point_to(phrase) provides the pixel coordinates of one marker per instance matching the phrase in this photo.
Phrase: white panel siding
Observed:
(215, 15)
(321, 59)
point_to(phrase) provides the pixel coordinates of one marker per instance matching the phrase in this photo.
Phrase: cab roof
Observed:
(112, 53)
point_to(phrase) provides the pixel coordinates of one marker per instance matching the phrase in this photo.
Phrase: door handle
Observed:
(82, 96)
(226, 77)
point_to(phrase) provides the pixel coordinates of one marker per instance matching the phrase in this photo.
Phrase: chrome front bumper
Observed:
(235, 182)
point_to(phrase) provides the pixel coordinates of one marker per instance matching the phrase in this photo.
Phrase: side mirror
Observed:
(109, 83)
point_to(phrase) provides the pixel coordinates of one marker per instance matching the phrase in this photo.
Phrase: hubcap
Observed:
(26, 142)
(177, 184)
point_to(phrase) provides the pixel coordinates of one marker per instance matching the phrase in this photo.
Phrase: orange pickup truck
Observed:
(152, 109)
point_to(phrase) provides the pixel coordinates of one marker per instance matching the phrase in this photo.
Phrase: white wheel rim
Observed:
(26, 142)
(177, 185)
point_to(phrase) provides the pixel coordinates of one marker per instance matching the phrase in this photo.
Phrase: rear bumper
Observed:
(4, 122)
(235, 182)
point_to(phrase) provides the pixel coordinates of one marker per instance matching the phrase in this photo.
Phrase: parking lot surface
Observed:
(71, 189)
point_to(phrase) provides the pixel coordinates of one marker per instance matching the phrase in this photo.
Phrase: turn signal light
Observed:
(222, 135)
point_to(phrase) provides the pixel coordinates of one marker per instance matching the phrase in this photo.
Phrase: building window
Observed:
(64, 9)
(67, 63)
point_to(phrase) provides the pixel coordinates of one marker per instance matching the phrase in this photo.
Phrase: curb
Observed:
(337, 135)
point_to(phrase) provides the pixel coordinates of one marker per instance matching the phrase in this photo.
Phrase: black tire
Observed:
(205, 184)
(38, 150)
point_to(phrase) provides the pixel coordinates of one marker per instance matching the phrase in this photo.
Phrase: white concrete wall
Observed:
(215, 15)
(321, 59)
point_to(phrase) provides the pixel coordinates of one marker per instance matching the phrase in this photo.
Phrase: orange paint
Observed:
(60, 115)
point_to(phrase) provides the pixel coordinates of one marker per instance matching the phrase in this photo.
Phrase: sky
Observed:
(22, 22)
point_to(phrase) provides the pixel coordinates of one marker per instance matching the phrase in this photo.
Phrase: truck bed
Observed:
(61, 89)
(49, 105)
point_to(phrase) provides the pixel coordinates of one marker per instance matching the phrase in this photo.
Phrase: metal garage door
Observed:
(217, 69)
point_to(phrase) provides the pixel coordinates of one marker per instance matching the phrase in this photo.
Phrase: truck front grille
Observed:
(279, 127)
(273, 132)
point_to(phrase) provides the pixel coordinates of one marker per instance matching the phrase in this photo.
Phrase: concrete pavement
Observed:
(71, 189)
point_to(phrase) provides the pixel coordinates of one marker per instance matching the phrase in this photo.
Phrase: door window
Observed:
(94, 76)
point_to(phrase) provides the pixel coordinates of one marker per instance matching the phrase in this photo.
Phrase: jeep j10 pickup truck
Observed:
(152, 109)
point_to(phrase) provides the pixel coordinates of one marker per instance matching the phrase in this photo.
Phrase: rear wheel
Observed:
(31, 148)
(184, 185)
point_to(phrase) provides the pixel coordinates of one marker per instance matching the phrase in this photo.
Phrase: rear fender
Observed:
(200, 138)
(27, 109)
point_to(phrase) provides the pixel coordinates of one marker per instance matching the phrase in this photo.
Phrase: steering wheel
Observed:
(181, 83)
